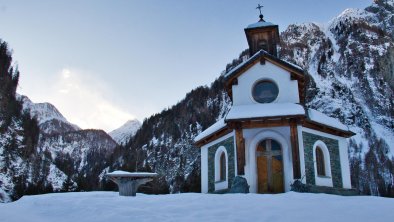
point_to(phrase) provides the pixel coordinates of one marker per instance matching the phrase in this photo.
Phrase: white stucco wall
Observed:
(252, 138)
(204, 169)
(343, 155)
(288, 89)
(204, 161)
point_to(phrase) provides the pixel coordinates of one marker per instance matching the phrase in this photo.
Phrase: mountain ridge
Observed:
(123, 133)
(50, 120)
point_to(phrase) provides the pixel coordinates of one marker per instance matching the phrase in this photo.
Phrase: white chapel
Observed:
(269, 137)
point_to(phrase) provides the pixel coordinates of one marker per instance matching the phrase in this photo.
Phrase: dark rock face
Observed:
(240, 185)
(350, 69)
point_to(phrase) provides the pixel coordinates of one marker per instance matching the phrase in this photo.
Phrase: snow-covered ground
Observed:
(108, 206)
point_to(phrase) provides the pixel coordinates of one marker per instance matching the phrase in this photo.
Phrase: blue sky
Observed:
(104, 62)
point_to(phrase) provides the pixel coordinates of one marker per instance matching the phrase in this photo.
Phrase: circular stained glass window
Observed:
(265, 91)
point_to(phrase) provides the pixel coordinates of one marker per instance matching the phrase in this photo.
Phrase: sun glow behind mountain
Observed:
(85, 101)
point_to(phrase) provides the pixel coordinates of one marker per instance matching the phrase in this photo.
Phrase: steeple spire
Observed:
(261, 15)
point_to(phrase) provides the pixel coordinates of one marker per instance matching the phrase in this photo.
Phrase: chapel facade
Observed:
(269, 137)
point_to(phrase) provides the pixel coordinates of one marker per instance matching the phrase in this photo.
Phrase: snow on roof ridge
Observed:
(264, 110)
(322, 118)
(241, 64)
(256, 55)
(292, 64)
(259, 24)
(220, 124)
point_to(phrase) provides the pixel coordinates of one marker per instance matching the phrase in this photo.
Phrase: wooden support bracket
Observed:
(240, 143)
(295, 149)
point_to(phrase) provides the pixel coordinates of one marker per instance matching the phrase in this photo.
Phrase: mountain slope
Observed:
(351, 71)
(19, 161)
(80, 155)
(127, 130)
(61, 158)
(164, 142)
(50, 120)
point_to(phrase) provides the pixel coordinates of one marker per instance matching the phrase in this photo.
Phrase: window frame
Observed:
(321, 180)
(219, 183)
(260, 81)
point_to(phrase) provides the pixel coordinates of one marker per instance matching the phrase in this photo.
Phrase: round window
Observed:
(265, 91)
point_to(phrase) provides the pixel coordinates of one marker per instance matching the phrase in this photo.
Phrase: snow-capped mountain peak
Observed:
(50, 120)
(127, 130)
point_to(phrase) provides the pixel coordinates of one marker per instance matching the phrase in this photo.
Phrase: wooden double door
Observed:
(269, 167)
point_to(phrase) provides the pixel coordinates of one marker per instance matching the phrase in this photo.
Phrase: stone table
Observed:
(128, 182)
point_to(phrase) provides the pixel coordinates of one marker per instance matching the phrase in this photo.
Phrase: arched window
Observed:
(222, 166)
(320, 165)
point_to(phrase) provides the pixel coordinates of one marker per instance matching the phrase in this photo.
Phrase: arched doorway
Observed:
(269, 167)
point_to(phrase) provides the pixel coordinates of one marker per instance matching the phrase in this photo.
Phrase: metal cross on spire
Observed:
(261, 15)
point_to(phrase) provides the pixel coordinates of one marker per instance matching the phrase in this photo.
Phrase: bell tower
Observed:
(262, 35)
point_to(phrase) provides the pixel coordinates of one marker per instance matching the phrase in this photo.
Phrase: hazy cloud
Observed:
(80, 98)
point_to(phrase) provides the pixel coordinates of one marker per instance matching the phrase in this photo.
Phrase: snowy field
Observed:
(108, 206)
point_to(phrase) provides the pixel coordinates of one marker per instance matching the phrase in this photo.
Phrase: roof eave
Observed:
(340, 132)
(296, 116)
(234, 73)
(212, 136)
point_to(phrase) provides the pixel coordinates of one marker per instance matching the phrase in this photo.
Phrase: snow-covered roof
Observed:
(214, 128)
(321, 118)
(121, 173)
(264, 110)
(232, 71)
(260, 24)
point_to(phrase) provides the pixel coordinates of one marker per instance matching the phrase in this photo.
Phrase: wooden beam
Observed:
(213, 137)
(267, 119)
(262, 60)
(242, 70)
(326, 129)
(294, 76)
(291, 70)
(234, 82)
(240, 143)
(266, 123)
(295, 149)
(301, 91)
